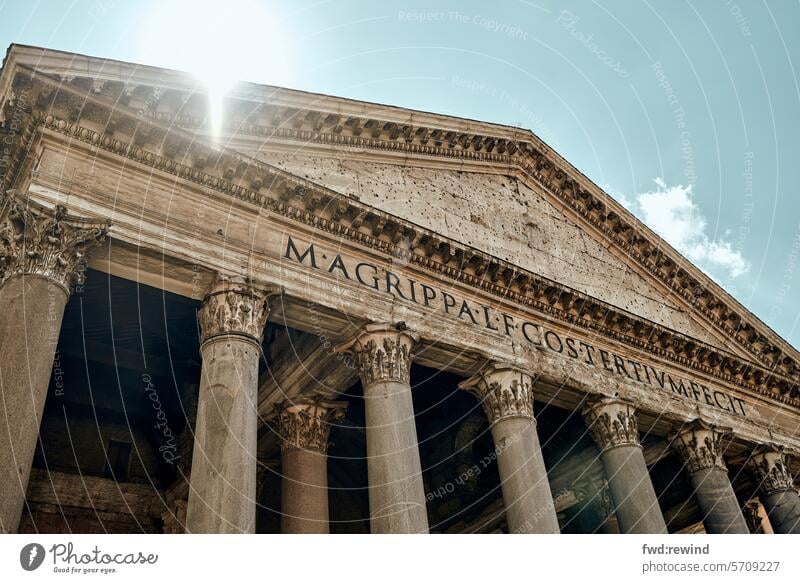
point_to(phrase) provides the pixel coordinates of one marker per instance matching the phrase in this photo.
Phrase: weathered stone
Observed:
(222, 493)
(612, 423)
(41, 252)
(770, 469)
(699, 446)
(506, 394)
(479, 237)
(396, 495)
(303, 428)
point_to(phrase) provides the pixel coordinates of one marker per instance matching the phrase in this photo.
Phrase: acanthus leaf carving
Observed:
(234, 307)
(51, 243)
(770, 469)
(504, 391)
(307, 424)
(699, 446)
(612, 422)
(382, 353)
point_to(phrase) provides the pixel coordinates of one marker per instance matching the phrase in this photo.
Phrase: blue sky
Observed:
(688, 112)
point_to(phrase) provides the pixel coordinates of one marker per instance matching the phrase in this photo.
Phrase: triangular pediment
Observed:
(504, 216)
(491, 188)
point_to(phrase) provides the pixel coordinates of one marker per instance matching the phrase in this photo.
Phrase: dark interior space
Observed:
(118, 426)
(128, 358)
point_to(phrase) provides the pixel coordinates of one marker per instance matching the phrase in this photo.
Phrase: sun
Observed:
(218, 42)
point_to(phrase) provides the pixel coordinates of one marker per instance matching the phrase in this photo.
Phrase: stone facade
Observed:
(322, 242)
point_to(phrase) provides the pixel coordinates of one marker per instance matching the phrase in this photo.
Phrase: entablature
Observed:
(145, 140)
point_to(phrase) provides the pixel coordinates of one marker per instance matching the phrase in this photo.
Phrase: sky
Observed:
(686, 112)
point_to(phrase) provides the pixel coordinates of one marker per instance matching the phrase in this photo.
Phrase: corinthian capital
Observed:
(382, 352)
(699, 445)
(37, 240)
(612, 422)
(770, 468)
(233, 307)
(504, 390)
(307, 424)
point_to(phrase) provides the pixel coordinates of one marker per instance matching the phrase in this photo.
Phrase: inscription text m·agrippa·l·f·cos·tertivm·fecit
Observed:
(407, 289)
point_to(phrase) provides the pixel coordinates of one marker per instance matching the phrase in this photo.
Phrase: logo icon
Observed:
(31, 556)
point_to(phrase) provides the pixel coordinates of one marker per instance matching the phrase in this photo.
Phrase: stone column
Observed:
(771, 472)
(303, 427)
(382, 353)
(698, 445)
(222, 486)
(612, 424)
(506, 393)
(42, 254)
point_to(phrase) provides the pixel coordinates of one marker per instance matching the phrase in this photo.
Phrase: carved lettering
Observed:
(534, 334)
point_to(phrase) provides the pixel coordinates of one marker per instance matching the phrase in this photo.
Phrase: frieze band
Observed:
(533, 333)
(555, 178)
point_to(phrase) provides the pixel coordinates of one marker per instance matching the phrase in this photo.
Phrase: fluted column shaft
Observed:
(304, 428)
(222, 487)
(507, 396)
(396, 492)
(771, 472)
(699, 447)
(612, 424)
(41, 257)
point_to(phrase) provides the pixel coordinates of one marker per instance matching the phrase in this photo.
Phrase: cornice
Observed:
(445, 257)
(247, 179)
(537, 162)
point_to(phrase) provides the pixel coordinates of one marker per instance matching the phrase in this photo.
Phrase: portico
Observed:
(355, 364)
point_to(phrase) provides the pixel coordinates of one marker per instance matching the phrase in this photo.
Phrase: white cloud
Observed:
(672, 213)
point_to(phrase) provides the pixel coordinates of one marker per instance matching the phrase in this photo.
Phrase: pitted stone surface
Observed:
(501, 216)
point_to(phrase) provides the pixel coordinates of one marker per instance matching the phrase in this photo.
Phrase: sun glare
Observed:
(218, 42)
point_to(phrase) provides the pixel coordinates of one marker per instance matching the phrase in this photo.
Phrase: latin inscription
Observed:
(476, 314)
